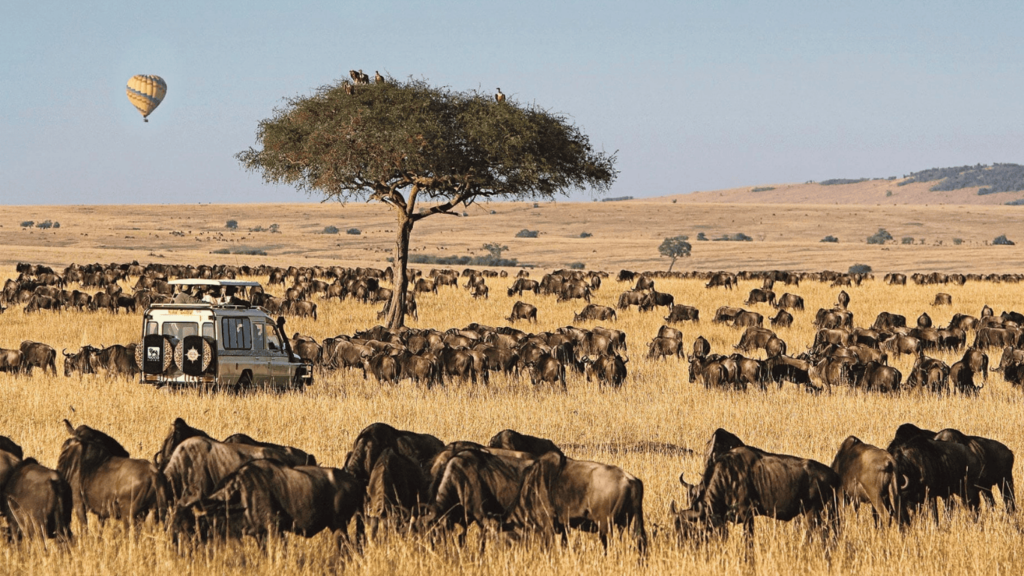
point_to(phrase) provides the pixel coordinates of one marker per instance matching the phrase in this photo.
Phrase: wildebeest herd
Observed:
(842, 353)
(408, 482)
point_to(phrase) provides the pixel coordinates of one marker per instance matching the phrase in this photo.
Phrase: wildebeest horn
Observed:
(71, 429)
(672, 507)
(683, 482)
(65, 353)
(906, 482)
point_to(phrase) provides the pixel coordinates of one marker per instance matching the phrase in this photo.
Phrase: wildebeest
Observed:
(682, 313)
(396, 488)
(35, 501)
(996, 465)
(595, 312)
(754, 338)
(943, 299)
(512, 440)
(745, 482)
(523, 311)
(868, 474)
(375, 438)
(105, 480)
(664, 347)
(759, 295)
(523, 285)
(11, 361)
(930, 469)
(843, 299)
(194, 463)
(37, 354)
(558, 493)
(723, 279)
(790, 301)
(607, 368)
(886, 321)
(782, 319)
(266, 495)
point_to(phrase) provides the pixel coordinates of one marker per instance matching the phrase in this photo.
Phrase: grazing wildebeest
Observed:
(474, 486)
(746, 482)
(682, 313)
(35, 501)
(523, 285)
(868, 474)
(37, 354)
(607, 368)
(396, 488)
(790, 301)
(595, 312)
(886, 321)
(930, 469)
(104, 478)
(523, 311)
(558, 493)
(996, 465)
(754, 338)
(782, 319)
(11, 361)
(375, 438)
(512, 440)
(943, 299)
(664, 347)
(930, 373)
(759, 295)
(723, 279)
(265, 496)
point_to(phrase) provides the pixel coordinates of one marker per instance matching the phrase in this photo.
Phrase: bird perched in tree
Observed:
(378, 78)
(499, 97)
(349, 89)
(363, 78)
(354, 75)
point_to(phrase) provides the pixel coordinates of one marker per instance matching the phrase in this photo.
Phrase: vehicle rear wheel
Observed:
(244, 381)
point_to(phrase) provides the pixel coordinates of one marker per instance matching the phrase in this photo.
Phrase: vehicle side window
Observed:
(152, 328)
(258, 334)
(208, 330)
(273, 341)
(236, 333)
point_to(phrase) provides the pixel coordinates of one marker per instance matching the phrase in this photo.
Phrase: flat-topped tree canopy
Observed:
(400, 142)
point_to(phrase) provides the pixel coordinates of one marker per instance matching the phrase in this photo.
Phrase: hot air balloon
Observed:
(146, 92)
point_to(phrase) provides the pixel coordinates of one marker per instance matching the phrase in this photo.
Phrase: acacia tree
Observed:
(403, 143)
(675, 248)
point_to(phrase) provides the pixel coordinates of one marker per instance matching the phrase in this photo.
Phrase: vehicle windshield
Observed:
(180, 330)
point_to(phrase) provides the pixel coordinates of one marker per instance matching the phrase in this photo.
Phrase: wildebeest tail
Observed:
(61, 521)
(636, 503)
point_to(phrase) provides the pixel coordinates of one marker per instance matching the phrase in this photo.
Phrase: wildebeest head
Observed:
(180, 431)
(79, 362)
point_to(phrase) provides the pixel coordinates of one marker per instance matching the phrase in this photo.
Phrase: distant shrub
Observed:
(1017, 202)
(536, 205)
(880, 237)
(577, 266)
(221, 251)
(493, 212)
(841, 181)
(465, 214)
(958, 241)
(354, 231)
(27, 224)
(331, 230)
(888, 193)
(1002, 240)
(56, 224)
(232, 225)
(860, 269)
(461, 260)
(585, 234)
(241, 251)
(737, 237)
(524, 233)
(829, 238)
(762, 189)
(702, 237)
(45, 225)
(907, 240)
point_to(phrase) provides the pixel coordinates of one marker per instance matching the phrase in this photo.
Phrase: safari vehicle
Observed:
(208, 337)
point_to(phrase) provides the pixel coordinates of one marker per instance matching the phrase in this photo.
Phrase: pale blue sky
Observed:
(693, 95)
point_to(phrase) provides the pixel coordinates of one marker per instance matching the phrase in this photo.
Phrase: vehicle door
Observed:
(238, 354)
(261, 357)
(280, 365)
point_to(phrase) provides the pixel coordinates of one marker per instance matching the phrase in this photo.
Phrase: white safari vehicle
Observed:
(216, 341)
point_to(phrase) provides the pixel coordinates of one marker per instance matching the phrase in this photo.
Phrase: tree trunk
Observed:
(673, 263)
(396, 307)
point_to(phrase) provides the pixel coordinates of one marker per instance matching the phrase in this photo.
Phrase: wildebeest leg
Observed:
(986, 493)
(1009, 498)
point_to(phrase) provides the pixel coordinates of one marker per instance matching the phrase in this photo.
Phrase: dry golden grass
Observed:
(625, 235)
(656, 404)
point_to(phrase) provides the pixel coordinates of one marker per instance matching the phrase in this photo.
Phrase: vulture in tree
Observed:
(378, 78)
(354, 75)
(499, 97)
(363, 78)
(349, 89)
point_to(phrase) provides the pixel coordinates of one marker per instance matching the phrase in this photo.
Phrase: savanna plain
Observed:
(656, 403)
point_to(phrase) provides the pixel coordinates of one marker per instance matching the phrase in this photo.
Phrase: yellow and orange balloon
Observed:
(145, 93)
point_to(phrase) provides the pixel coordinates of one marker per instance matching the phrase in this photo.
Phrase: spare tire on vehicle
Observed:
(196, 355)
(155, 355)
